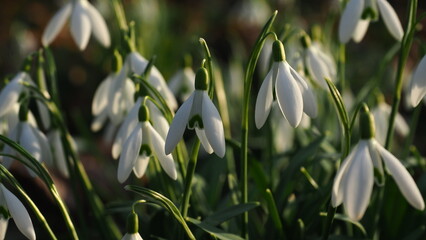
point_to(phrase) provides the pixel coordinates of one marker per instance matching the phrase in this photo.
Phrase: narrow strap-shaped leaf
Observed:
(230, 212)
(214, 231)
(163, 201)
(345, 218)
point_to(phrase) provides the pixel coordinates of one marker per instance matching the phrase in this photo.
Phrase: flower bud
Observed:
(278, 51)
(117, 62)
(366, 123)
(305, 40)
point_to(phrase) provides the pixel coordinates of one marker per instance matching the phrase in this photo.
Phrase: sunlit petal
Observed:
(100, 100)
(264, 101)
(99, 27)
(213, 126)
(360, 30)
(201, 134)
(140, 165)
(349, 19)
(337, 191)
(403, 179)
(130, 152)
(317, 68)
(289, 96)
(19, 213)
(80, 25)
(418, 83)
(391, 19)
(178, 125)
(55, 24)
(358, 183)
(309, 101)
(10, 93)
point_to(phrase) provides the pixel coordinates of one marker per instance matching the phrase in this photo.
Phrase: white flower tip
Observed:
(116, 149)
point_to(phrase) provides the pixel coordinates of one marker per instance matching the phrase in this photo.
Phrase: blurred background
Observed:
(170, 29)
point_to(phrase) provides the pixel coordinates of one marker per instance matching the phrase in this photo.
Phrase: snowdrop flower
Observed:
(137, 64)
(11, 207)
(132, 228)
(9, 95)
(198, 112)
(182, 83)
(381, 115)
(143, 142)
(30, 138)
(319, 64)
(357, 15)
(293, 93)
(157, 119)
(58, 153)
(418, 83)
(354, 180)
(84, 19)
(113, 98)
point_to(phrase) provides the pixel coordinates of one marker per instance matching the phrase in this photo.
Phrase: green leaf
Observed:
(345, 218)
(214, 231)
(230, 212)
(161, 200)
(338, 101)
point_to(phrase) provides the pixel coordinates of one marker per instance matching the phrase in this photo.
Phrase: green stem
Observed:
(403, 55)
(188, 179)
(44, 175)
(11, 179)
(248, 79)
(119, 13)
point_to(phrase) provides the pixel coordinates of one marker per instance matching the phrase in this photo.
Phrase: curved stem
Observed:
(188, 179)
(248, 79)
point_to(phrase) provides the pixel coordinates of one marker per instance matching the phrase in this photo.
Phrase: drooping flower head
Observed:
(143, 143)
(354, 180)
(357, 16)
(84, 19)
(11, 207)
(418, 83)
(320, 65)
(132, 226)
(198, 112)
(294, 95)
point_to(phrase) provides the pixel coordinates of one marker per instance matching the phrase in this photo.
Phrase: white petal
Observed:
(80, 25)
(126, 128)
(178, 125)
(264, 101)
(289, 96)
(374, 154)
(201, 134)
(130, 152)
(349, 19)
(19, 213)
(337, 191)
(403, 179)
(140, 166)
(99, 121)
(159, 122)
(122, 100)
(132, 236)
(99, 27)
(55, 24)
(358, 183)
(58, 152)
(157, 80)
(166, 161)
(100, 100)
(44, 114)
(360, 30)
(30, 142)
(391, 19)
(213, 126)
(418, 83)
(10, 93)
(309, 101)
(401, 125)
(137, 62)
(317, 69)
(46, 154)
(3, 226)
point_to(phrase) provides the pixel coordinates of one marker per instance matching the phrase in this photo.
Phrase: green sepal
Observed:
(132, 224)
(278, 51)
(143, 113)
(201, 79)
(366, 123)
(117, 61)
